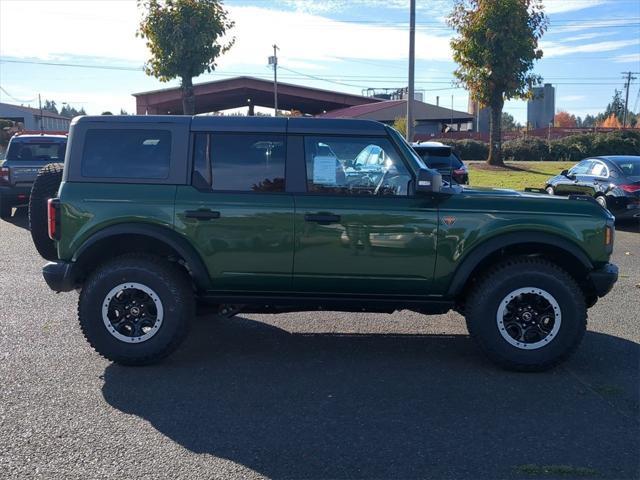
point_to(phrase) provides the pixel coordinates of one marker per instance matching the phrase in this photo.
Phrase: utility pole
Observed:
(40, 105)
(627, 85)
(274, 61)
(412, 61)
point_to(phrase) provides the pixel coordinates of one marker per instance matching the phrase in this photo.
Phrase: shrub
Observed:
(468, 149)
(529, 148)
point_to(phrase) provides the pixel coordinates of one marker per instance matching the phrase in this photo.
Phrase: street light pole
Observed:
(412, 58)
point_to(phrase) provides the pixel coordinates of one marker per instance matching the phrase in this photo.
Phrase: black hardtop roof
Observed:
(203, 123)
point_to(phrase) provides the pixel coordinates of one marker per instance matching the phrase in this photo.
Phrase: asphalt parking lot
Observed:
(312, 395)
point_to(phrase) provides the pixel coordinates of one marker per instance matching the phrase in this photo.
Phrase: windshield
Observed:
(36, 151)
(629, 166)
(406, 148)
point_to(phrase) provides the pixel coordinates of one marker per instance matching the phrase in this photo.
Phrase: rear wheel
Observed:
(527, 314)
(44, 187)
(135, 309)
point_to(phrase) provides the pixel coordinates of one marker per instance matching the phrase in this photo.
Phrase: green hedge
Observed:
(573, 148)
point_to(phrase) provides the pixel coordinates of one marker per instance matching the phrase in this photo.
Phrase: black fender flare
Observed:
(165, 235)
(488, 247)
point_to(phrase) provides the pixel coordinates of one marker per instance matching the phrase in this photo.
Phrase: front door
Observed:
(574, 182)
(357, 230)
(236, 211)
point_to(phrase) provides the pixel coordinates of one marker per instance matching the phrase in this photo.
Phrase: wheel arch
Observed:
(565, 252)
(124, 238)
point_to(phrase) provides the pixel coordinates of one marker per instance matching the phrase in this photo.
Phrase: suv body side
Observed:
(298, 244)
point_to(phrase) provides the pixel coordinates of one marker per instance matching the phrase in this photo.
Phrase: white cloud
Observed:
(577, 26)
(555, 49)
(586, 36)
(628, 58)
(100, 28)
(572, 98)
(562, 6)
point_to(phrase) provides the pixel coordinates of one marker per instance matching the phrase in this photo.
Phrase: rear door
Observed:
(361, 233)
(236, 211)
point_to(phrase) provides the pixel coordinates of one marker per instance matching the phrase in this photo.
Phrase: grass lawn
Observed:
(516, 175)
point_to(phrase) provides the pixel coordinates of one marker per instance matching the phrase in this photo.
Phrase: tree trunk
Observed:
(495, 133)
(188, 99)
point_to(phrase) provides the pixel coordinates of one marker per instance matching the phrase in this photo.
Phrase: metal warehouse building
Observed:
(34, 118)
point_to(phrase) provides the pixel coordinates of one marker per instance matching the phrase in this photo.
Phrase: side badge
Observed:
(448, 220)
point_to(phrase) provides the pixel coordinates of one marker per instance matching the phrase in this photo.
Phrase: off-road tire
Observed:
(44, 187)
(520, 272)
(174, 291)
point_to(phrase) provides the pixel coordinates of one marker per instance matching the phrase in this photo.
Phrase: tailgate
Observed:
(23, 173)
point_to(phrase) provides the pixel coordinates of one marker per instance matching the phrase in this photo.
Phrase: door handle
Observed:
(322, 218)
(202, 214)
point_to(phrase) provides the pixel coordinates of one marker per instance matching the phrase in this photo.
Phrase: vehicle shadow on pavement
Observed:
(20, 218)
(628, 226)
(386, 406)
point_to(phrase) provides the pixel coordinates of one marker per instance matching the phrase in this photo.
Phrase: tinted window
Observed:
(354, 166)
(37, 151)
(127, 154)
(629, 166)
(439, 157)
(242, 162)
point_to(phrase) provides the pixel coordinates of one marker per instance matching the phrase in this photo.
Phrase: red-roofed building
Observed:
(431, 120)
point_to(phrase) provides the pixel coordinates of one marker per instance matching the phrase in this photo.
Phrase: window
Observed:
(127, 154)
(240, 162)
(37, 151)
(599, 169)
(438, 158)
(354, 166)
(581, 168)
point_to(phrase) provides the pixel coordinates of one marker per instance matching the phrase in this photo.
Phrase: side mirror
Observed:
(429, 181)
(564, 173)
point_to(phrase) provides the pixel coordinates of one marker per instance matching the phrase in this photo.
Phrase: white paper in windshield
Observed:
(324, 170)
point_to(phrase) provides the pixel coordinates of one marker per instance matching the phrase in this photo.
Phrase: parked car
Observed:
(614, 181)
(26, 155)
(444, 159)
(252, 215)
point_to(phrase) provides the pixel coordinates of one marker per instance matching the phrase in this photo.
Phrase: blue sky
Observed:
(352, 45)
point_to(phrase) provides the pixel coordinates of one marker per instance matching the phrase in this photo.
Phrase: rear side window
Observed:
(248, 162)
(36, 151)
(143, 154)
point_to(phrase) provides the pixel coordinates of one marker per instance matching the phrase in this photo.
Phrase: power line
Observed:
(16, 99)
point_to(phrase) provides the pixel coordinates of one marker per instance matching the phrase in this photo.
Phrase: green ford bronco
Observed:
(153, 215)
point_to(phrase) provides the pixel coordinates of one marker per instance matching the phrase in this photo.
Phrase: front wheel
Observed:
(550, 190)
(135, 309)
(602, 200)
(527, 314)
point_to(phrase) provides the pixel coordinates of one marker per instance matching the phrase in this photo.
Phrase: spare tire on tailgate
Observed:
(44, 187)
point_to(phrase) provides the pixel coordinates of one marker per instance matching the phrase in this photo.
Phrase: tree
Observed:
(616, 107)
(70, 112)
(611, 122)
(50, 106)
(400, 124)
(508, 123)
(183, 37)
(123, 112)
(565, 120)
(495, 48)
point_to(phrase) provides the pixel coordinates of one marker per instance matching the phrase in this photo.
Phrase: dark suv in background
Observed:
(26, 155)
(614, 181)
(444, 159)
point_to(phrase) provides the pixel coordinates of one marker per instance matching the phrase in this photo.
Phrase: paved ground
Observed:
(315, 395)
